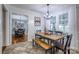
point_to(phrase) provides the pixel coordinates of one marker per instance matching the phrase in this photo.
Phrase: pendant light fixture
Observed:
(47, 15)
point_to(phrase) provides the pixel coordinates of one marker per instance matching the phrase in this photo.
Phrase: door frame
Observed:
(10, 22)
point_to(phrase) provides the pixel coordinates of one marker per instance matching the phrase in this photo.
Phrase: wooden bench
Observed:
(43, 44)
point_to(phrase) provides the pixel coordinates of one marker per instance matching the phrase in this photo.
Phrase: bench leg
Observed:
(51, 50)
(32, 42)
(45, 51)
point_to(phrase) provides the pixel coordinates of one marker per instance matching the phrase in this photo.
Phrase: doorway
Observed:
(19, 28)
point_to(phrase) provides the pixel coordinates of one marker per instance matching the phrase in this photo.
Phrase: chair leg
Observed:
(64, 52)
(69, 51)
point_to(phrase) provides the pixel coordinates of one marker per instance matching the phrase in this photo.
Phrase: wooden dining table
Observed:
(50, 36)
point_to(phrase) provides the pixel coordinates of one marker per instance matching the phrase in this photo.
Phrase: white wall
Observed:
(71, 10)
(77, 9)
(0, 28)
(30, 14)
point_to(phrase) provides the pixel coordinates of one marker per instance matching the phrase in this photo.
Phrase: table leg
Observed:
(45, 51)
(54, 50)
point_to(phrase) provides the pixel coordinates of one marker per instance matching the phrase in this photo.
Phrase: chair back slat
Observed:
(68, 42)
(58, 32)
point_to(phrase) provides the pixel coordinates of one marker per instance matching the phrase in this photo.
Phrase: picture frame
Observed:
(37, 21)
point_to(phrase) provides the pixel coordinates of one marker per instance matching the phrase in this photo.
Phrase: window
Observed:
(53, 23)
(63, 22)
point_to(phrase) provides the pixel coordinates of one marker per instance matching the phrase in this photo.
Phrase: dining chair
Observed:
(50, 31)
(60, 33)
(65, 48)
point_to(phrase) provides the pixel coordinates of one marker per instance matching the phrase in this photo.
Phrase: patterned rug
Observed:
(23, 48)
(26, 48)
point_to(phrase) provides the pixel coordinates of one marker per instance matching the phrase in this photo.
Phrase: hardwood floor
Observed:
(16, 40)
(19, 39)
(3, 48)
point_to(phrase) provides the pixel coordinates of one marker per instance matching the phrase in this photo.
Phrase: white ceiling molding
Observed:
(42, 8)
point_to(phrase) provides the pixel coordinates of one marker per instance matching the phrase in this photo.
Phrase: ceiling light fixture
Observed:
(47, 16)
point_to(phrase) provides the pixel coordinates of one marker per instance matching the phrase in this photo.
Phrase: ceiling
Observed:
(42, 8)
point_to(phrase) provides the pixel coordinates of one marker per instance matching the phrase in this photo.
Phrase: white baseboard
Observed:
(74, 49)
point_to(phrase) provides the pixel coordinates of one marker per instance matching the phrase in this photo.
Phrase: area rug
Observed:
(23, 48)
(27, 48)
